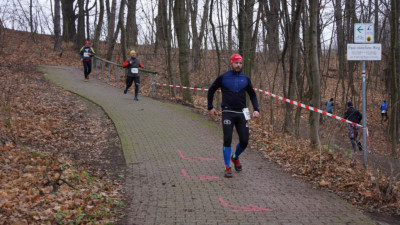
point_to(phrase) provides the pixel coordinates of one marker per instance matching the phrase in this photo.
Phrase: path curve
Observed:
(175, 168)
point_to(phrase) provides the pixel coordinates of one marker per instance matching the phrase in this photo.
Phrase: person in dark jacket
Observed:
(132, 73)
(234, 85)
(86, 53)
(384, 111)
(354, 116)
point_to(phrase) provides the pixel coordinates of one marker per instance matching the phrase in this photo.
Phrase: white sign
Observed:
(364, 52)
(363, 33)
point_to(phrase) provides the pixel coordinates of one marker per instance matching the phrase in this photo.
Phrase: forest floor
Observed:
(333, 169)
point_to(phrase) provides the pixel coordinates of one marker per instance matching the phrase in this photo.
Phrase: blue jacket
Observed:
(234, 86)
(384, 106)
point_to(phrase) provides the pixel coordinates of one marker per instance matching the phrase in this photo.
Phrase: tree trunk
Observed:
(160, 21)
(272, 25)
(57, 26)
(215, 38)
(131, 26)
(81, 24)
(294, 40)
(68, 14)
(31, 18)
(122, 28)
(182, 33)
(245, 30)
(99, 26)
(167, 43)
(197, 38)
(316, 98)
(394, 26)
(110, 30)
(340, 43)
(230, 22)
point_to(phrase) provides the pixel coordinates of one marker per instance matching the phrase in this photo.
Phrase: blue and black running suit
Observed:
(234, 86)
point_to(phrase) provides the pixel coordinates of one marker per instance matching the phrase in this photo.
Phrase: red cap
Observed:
(235, 58)
(87, 42)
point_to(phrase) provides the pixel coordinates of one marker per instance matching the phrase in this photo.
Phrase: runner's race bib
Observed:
(86, 54)
(134, 70)
(246, 113)
(383, 111)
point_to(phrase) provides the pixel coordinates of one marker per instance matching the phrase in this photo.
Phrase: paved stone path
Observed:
(175, 168)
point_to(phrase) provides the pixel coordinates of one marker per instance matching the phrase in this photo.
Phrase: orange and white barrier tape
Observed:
(182, 87)
(280, 98)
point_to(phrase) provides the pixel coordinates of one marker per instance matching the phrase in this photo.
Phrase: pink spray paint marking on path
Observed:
(195, 158)
(251, 208)
(199, 177)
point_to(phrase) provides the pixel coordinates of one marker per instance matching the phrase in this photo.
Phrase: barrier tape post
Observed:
(364, 110)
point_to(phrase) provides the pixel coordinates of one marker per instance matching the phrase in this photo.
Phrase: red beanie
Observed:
(235, 58)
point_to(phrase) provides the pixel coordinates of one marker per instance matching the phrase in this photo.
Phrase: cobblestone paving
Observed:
(175, 168)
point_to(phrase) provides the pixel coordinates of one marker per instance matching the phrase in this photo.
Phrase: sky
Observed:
(15, 14)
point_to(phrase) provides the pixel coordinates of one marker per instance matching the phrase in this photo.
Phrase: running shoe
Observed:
(236, 162)
(125, 90)
(86, 80)
(136, 98)
(228, 172)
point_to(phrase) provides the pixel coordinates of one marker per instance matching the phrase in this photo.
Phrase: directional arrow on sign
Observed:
(359, 29)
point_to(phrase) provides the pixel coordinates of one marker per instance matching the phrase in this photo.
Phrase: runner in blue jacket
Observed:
(384, 111)
(234, 85)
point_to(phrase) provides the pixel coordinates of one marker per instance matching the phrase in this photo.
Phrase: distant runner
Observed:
(355, 116)
(132, 73)
(384, 111)
(234, 85)
(86, 53)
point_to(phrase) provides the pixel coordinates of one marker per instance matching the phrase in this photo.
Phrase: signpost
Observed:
(364, 50)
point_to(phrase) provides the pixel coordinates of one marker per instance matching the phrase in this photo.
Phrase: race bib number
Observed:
(135, 70)
(86, 54)
(383, 111)
(246, 113)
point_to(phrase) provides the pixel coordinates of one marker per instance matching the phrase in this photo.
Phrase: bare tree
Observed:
(122, 28)
(131, 26)
(80, 37)
(110, 28)
(340, 44)
(197, 36)
(182, 33)
(99, 26)
(69, 31)
(394, 72)
(271, 23)
(215, 37)
(87, 14)
(57, 26)
(316, 95)
(294, 42)
(230, 24)
(247, 37)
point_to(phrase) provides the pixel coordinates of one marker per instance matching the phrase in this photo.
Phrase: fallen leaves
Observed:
(45, 134)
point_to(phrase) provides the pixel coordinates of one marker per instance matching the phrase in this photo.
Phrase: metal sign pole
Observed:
(364, 112)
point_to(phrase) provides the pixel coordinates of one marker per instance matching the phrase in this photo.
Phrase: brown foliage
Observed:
(41, 128)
